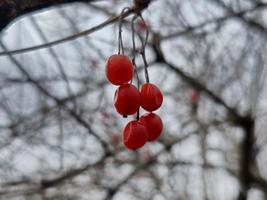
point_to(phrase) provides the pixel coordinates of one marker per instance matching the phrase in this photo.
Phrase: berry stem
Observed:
(133, 35)
(133, 60)
(120, 43)
(138, 114)
(146, 65)
(143, 50)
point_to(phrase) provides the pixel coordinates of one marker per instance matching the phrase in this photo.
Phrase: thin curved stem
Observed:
(71, 37)
(133, 59)
(143, 50)
(120, 42)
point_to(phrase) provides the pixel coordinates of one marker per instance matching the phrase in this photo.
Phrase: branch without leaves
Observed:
(12, 9)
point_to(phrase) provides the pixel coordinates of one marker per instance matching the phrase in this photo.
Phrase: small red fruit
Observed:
(194, 96)
(151, 97)
(127, 99)
(153, 124)
(142, 26)
(115, 140)
(119, 69)
(134, 135)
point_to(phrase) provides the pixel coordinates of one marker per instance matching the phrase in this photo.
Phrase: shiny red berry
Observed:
(119, 69)
(151, 97)
(134, 135)
(153, 124)
(127, 99)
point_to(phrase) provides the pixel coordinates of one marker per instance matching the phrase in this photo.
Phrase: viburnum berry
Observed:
(151, 97)
(134, 135)
(153, 124)
(194, 96)
(127, 99)
(115, 140)
(141, 26)
(119, 69)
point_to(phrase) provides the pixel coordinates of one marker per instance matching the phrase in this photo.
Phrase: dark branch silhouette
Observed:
(12, 9)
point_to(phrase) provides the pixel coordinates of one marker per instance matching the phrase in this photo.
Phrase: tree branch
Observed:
(12, 9)
(71, 37)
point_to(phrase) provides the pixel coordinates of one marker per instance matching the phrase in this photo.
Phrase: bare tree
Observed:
(60, 136)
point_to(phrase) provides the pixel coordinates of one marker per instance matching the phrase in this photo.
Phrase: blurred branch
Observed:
(71, 37)
(78, 35)
(160, 58)
(124, 15)
(48, 183)
(12, 9)
(247, 159)
(246, 122)
(144, 166)
(58, 101)
(54, 55)
(260, 183)
(229, 15)
(250, 22)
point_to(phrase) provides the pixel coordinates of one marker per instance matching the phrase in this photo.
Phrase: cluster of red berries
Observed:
(128, 99)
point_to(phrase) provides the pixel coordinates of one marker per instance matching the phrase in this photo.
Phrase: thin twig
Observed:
(71, 37)
(120, 42)
(143, 50)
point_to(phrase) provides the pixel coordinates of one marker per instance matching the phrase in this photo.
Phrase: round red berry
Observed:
(151, 97)
(119, 69)
(134, 135)
(127, 99)
(194, 96)
(153, 124)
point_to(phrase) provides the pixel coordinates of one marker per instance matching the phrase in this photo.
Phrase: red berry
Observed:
(151, 97)
(115, 140)
(153, 124)
(134, 135)
(119, 69)
(194, 96)
(127, 99)
(142, 26)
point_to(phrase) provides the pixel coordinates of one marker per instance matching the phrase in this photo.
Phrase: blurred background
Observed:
(61, 138)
